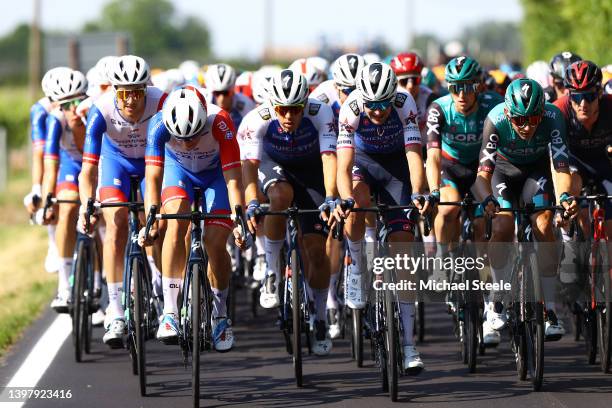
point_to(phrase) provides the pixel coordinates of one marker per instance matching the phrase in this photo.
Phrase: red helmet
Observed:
(407, 64)
(581, 76)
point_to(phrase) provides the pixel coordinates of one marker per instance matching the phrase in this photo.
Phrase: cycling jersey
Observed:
(401, 129)
(458, 136)
(327, 93)
(241, 105)
(500, 139)
(261, 132)
(425, 97)
(200, 166)
(216, 147)
(61, 146)
(38, 117)
(121, 137)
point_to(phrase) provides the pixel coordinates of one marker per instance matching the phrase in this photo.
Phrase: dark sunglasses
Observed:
(282, 110)
(588, 96)
(522, 121)
(380, 105)
(416, 80)
(466, 87)
(218, 93)
(69, 104)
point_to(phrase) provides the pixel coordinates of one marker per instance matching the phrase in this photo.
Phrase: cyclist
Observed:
(334, 92)
(540, 72)
(220, 80)
(116, 137)
(379, 150)
(498, 81)
(193, 144)
(98, 85)
(65, 135)
(558, 65)
(408, 67)
(244, 84)
(454, 136)
(288, 147)
(518, 137)
(588, 117)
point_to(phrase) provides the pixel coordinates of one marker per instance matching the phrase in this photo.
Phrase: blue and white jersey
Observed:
(60, 138)
(328, 94)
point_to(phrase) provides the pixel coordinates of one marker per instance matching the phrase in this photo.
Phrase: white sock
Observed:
(219, 302)
(407, 313)
(549, 287)
(63, 274)
(273, 250)
(355, 250)
(171, 288)
(101, 231)
(565, 235)
(370, 234)
(320, 299)
(51, 235)
(156, 275)
(332, 300)
(115, 292)
(260, 245)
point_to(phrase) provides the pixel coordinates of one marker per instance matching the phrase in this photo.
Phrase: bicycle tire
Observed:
(139, 323)
(79, 316)
(471, 334)
(589, 333)
(196, 333)
(296, 317)
(357, 336)
(604, 326)
(391, 335)
(535, 344)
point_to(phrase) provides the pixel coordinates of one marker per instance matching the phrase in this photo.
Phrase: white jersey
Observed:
(241, 105)
(328, 94)
(121, 137)
(261, 132)
(60, 137)
(423, 100)
(400, 130)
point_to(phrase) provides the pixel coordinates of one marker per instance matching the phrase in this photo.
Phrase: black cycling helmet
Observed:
(560, 62)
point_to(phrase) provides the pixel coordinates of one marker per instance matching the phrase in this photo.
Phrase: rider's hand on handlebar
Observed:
(327, 207)
(490, 205)
(149, 239)
(570, 205)
(342, 209)
(252, 213)
(82, 223)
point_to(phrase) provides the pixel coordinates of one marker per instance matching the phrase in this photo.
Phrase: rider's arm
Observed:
(328, 138)
(157, 136)
(51, 155)
(38, 116)
(408, 114)
(435, 121)
(559, 153)
(249, 136)
(345, 147)
(229, 152)
(88, 179)
(488, 156)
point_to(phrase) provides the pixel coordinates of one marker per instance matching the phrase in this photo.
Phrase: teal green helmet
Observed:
(462, 68)
(524, 97)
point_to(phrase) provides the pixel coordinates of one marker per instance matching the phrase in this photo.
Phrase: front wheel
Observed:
(139, 322)
(535, 345)
(357, 336)
(392, 338)
(196, 299)
(471, 334)
(604, 326)
(80, 310)
(296, 306)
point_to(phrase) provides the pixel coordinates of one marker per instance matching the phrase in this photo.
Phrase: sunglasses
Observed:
(466, 87)
(380, 105)
(69, 104)
(346, 89)
(136, 94)
(416, 80)
(218, 93)
(588, 96)
(282, 110)
(522, 121)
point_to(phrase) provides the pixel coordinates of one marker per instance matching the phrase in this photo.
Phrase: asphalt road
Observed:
(258, 372)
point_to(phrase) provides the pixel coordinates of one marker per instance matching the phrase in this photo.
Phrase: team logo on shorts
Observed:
(318, 227)
(116, 182)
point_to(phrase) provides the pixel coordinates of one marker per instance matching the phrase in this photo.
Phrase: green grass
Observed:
(25, 288)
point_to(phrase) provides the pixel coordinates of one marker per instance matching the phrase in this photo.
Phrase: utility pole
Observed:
(410, 6)
(34, 57)
(268, 30)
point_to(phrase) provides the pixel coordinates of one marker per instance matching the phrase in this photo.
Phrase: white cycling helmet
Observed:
(305, 66)
(67, 85)
(184, 113)
(48, 78)
(288, 87)
(261, 82)
(103, 66)
(377, 82)
(129, 70)
(346, 68)
(220, 77)
(320, 63)
(190, 70)
(539, 72)
(371, 57)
